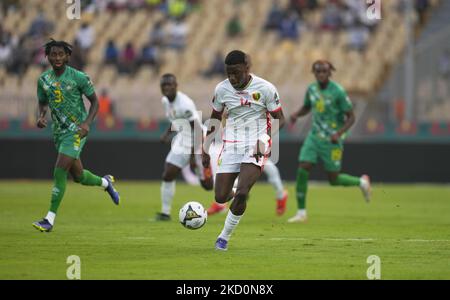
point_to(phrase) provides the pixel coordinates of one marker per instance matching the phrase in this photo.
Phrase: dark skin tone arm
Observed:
(42, 120)
(205, 152)
(349, 121)
(165, 138)
(280, 117)
(85, 126)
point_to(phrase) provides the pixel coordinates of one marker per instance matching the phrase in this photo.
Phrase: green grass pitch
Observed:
(407, 226)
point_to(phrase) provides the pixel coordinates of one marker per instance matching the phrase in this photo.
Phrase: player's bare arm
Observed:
(205, 149)
(349, 121)
(165, 137)
(278, 115)
(272, 131)
(42, 120)
(85, 126)
(303, 111)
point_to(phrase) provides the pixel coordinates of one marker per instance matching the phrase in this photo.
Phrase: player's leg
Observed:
(86, 177)
(308, 158)
(205, 174)
(62, 166)
(274, 178)
(249, 174)
(332, 163)
(301, 190)
(189, 176)
(170, 173)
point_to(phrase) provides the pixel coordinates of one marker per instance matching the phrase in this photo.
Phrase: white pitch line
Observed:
(353, 240)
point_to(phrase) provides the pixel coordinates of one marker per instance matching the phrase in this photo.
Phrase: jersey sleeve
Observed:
(345, 104)
(85, 84)
(307, 100)
(273, 103)
(42, 96)
(217, 101)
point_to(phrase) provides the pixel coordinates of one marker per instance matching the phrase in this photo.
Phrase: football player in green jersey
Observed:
(332, 116)
(61, 89)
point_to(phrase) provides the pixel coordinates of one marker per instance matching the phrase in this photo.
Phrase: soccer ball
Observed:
(193, 215)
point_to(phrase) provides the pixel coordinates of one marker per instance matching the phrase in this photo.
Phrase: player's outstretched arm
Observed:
(303, 111)
(42, 120)
(85, 126)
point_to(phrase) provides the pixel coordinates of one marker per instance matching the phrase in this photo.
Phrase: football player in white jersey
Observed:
(179, 107)
(270, 169)
(249, 100)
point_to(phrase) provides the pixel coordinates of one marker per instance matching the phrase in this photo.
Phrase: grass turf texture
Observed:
(407, 226)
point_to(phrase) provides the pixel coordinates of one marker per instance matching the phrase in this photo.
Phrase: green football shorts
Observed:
(69, 144)
(330, 154)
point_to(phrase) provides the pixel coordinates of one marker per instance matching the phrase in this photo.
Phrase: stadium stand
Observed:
(363, 52)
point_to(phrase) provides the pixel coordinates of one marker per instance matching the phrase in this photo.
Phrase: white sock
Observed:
(231, 223)
(273, 176)
(105, 183)
(362, 182)
(167, 193)
(301, 212)
(51, 217)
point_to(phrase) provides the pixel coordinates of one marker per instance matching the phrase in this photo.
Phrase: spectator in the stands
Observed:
(331, 18)
(358, 36)
(150, 56)
(40, 26)
(158, 35)
(217, 67)
(274, 17)
(77, 58)
(86, 37)
(127, 62)
(290, 26)
(177, 35)
(234, 26)
(111, 55)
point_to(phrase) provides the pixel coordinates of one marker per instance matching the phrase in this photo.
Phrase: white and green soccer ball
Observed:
(193, 215)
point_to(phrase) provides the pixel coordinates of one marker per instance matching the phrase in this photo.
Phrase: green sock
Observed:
(90, 179)
(302, 187)
(59, 187)
(346, 180)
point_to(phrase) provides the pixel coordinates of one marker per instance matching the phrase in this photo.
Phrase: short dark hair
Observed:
(323, 62)
(52, 43)
(167, 76)
(236, 57)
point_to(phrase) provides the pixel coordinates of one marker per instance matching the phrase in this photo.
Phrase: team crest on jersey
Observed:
(256, 96)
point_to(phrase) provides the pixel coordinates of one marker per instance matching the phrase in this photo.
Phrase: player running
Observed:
(249, 100)
(60, 89)
(270, 169)
(178, 106)
(332, 113)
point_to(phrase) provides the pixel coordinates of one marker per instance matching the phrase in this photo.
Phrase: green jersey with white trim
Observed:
(64, 96)
(328, 108)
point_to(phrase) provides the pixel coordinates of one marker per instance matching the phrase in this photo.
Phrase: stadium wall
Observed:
(143, 160)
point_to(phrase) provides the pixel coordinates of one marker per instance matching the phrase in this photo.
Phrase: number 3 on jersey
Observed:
(58, 96)
(245, 102)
